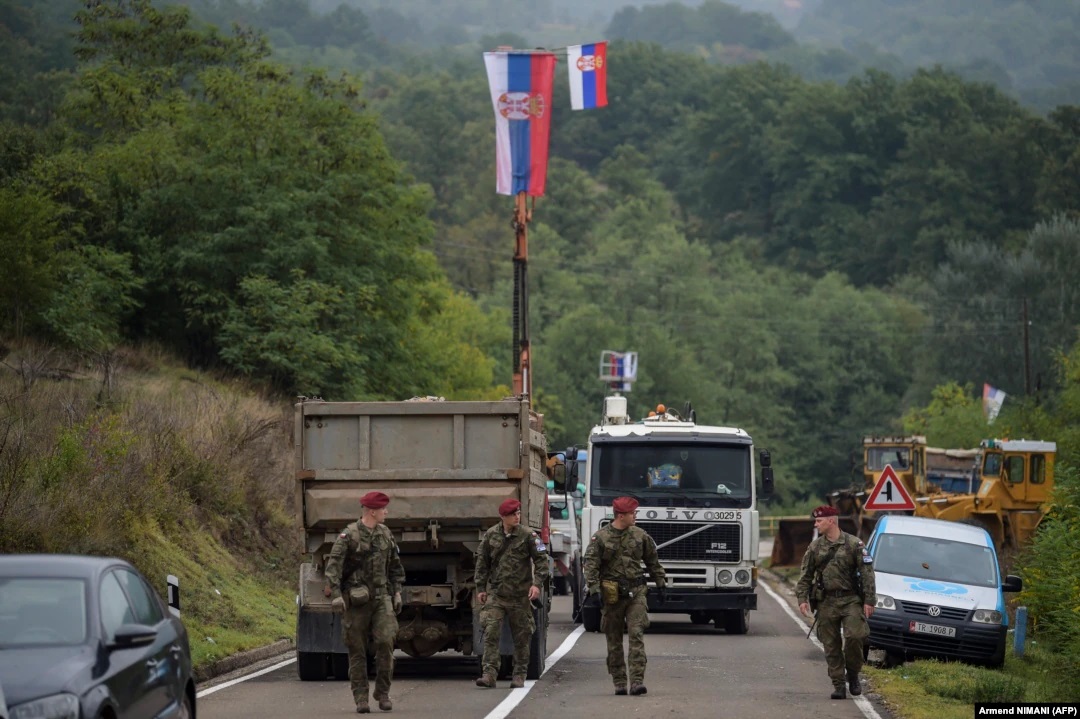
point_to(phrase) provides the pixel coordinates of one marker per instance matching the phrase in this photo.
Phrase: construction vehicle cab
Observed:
(1015, 479)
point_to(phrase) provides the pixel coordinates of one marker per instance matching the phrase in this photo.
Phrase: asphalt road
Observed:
(694, 671)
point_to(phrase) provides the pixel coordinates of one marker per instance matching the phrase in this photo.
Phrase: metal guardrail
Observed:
(768, 524)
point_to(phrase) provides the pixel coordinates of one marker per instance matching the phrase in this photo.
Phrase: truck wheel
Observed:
(736, 621)
(590, 614)
(339, 665)
(699, 618)
(311, 666)
(579, 592)
(538, 647)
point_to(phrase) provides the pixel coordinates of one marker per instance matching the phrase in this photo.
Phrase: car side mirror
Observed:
(1012, 583)
(133, 635)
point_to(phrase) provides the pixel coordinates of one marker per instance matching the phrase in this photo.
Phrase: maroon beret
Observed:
(508, 507)
(624, 504)
(824, 511)
(374, 500)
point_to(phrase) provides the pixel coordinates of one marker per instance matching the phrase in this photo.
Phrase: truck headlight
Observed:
(724, 576)
(987, 616)
(885, 602)
(742, 576)
(58, 706)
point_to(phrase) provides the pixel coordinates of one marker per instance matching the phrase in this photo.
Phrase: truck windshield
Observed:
(672, 474)
(878, 457)
(936, 559)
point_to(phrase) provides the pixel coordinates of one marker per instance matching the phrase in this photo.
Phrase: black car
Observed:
(87, 637)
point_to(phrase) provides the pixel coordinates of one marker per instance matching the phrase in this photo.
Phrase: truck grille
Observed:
(718, 543)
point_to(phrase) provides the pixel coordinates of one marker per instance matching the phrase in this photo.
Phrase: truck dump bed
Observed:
(451, 462)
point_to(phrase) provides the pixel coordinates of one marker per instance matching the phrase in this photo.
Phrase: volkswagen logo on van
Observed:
(934, 610)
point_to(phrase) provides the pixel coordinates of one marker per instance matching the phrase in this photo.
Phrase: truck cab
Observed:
(696, 488)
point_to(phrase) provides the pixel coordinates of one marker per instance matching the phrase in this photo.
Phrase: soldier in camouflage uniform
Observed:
(511, 566)
(615, 554)
(838, 576)
(365, 577)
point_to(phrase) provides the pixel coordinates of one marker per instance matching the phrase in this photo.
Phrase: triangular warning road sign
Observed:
(889, 493)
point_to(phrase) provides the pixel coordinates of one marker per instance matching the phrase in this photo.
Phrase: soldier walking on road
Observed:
(365, 576)
(838, 581)
(511, 566)
(613, 569)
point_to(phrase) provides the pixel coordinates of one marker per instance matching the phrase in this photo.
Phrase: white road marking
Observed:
(860, 701)
(225, 685)
(517, 695)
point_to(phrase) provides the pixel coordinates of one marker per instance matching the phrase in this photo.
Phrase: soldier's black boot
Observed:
(638, 689)
(620, 689)
(839, 693)
(853, 684)
(362, 706)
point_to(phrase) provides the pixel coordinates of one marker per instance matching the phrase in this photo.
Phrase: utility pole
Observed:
(522, 360)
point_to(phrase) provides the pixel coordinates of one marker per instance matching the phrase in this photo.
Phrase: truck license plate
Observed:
(924, 628)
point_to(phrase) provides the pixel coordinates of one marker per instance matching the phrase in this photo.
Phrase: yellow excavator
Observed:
(1016, 477)
(1003, 486)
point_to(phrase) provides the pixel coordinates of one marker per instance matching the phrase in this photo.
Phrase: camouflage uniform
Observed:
(617, 554)
(507, 566)
(364, 557)
(848, 582)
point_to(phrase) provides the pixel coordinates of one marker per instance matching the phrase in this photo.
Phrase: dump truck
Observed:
(1015, 479)
(446, 467)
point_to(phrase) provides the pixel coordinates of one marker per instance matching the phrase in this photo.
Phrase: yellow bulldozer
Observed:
(1002, 486)
(1015, 479)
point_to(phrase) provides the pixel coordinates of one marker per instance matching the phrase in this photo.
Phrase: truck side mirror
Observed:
(556, 472)
(767, 482)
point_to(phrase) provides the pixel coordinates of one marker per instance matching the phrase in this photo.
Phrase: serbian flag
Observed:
(588, 75)
(520, 84)
(993, 398)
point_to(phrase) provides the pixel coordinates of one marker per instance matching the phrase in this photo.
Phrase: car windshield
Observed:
(42, 611)
(935, 558)
(667, 474)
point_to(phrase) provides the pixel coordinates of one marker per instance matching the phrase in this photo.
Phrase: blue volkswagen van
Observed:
(939, 592)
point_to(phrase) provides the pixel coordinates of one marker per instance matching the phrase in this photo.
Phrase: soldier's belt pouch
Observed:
(609, 590)
(359, 596)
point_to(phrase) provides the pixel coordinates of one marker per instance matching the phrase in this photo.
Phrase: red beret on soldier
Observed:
(825, 511)
(374, 500)
(624, 504)
(508, 507)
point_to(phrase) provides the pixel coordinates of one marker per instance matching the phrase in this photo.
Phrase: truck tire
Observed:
(312, 666)
(736, 621)
(578, 589)
(590, 613)
(339, 666)
(538, 646)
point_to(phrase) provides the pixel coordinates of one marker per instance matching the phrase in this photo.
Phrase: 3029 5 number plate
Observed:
(924, 628)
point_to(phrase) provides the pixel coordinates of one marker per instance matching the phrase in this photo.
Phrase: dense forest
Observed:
(812, 249)
(806, 259)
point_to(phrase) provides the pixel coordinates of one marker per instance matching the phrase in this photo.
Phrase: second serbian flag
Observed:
(587, 66)
(520, 84)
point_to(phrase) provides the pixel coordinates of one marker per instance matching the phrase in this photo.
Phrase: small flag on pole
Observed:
(588, 75)
(992, 401)
(521, 84)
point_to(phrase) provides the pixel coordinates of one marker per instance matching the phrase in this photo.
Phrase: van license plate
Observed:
(924, 628)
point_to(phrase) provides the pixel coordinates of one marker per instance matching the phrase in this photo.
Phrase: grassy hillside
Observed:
(178, 472)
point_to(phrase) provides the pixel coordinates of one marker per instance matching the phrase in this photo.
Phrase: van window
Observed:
(934, 558)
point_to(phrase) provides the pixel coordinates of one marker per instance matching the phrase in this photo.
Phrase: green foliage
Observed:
(954, 418)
